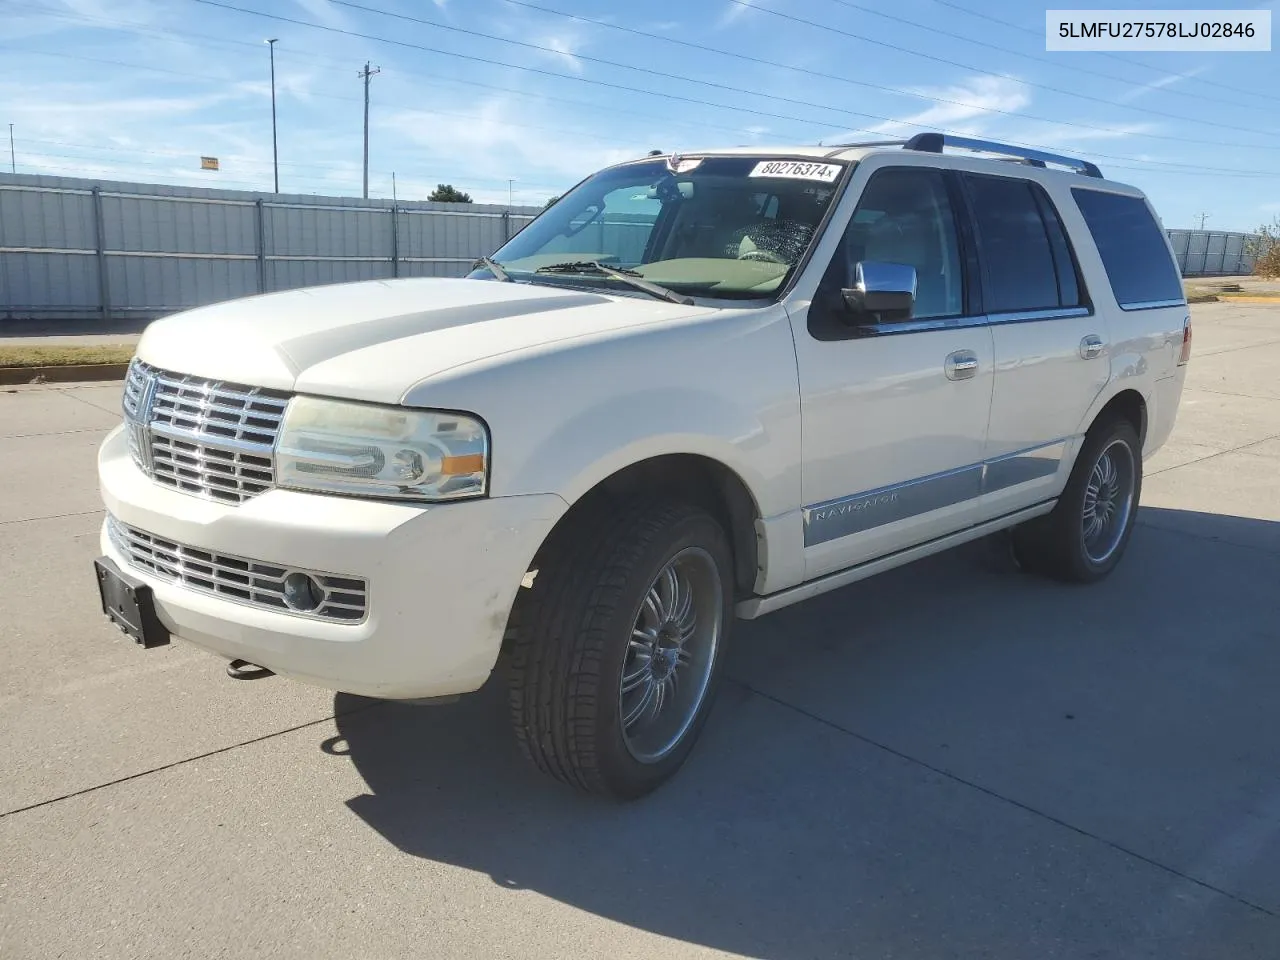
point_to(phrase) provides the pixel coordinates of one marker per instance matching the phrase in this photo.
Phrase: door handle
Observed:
(961, 365)
(1090, 347)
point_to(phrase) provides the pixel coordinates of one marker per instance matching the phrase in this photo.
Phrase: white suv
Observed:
(698, 387)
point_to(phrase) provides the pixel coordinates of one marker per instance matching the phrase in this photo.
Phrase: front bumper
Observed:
(442, 578)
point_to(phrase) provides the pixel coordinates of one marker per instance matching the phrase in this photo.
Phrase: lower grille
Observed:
(341, 599)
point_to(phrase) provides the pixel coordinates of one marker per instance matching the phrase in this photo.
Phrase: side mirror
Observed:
(881, 291)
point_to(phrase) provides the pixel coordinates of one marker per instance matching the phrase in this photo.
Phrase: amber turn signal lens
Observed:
(458, 466)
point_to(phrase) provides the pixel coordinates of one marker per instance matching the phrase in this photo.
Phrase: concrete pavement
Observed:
(950, 760)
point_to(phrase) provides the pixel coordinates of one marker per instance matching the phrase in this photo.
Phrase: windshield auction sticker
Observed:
(1224, 31)
(798, 170)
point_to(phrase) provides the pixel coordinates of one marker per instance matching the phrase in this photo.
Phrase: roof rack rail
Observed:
(865, 143)
(834, 148)
(934, 142)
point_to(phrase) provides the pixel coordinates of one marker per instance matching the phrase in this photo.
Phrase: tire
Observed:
(591, 619)
(1058, 545)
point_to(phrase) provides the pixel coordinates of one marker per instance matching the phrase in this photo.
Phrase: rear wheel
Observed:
(619, 646)
(1084, 537)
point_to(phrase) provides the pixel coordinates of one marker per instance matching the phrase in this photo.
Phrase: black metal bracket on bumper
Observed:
(130, 604)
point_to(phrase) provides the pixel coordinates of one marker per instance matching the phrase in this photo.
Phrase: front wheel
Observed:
(1084, 537)
(619, 647)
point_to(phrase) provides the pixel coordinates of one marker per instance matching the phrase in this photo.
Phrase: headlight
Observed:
(354, 448)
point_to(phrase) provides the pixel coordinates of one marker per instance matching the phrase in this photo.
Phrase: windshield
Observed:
(724, 227)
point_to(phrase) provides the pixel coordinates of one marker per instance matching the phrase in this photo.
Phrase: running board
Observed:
(759, 606)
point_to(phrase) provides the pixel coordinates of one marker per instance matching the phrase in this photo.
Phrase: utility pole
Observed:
(1203, 217)
(275, 156)
(510, 191)
(13, 164)
(368, 74)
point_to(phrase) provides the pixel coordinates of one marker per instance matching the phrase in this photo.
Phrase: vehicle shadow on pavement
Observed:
(951, 757)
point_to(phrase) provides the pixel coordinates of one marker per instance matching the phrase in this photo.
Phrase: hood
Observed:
(376, 339)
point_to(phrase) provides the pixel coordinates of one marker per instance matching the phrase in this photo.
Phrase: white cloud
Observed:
(325, 13)
(1159, 84)
(735, 10)
(564, 46)
(497, 139)
(1054, 135)
(967, 109)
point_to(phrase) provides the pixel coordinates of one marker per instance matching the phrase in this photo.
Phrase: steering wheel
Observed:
(764, 256)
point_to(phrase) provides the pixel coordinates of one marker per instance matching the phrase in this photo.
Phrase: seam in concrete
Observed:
(1227, 393)
(54, 433)
(1243, 446)
(1173, 871)
(185, 760)
(56, 516)
(66, 392)
(1218, 353)
(1009, 800)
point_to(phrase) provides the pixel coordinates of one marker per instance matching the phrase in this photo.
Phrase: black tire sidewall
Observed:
(626, 776)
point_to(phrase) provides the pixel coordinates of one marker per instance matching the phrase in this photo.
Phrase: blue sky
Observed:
(479, 92)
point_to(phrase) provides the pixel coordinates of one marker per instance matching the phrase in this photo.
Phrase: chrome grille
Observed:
(204, 437)
(344, 599)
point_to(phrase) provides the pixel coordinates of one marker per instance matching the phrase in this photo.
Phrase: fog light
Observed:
(302, 592)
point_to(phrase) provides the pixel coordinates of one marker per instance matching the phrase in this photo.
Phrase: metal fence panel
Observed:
(288, 274)
(72, 248)
(46, 220)
(149, 285)
(50, 283)
(1211, 252)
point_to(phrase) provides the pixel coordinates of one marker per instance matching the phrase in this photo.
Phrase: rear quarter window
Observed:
(1133, 248)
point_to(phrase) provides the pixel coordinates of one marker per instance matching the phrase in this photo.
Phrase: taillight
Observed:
(1186, 342)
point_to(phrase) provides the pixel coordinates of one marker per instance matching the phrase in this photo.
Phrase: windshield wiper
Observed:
(494, 267)
(630, 277)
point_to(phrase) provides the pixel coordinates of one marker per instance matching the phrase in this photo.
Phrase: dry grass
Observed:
(1209, 291)
(64, 356)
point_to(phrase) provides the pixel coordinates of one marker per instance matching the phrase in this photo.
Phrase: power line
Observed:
(331, 186)
(828, 76)
(812, 123)
(1109, 55)
(320, 165)
(827, 28)
(311, 58)
(722, 106)
(788, 100)
(593, 135)
(1057, 64)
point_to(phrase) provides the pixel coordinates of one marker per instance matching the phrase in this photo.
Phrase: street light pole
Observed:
(13, 164)
(511, 186)
(275, 156)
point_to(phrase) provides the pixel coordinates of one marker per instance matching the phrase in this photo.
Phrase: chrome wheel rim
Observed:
(1108, 501)
(670, 655)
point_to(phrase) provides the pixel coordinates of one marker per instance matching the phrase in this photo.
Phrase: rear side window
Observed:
(1069, 294)
(1133, 248)
(1021, 257)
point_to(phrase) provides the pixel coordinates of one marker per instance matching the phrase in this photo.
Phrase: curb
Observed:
(71, 373)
